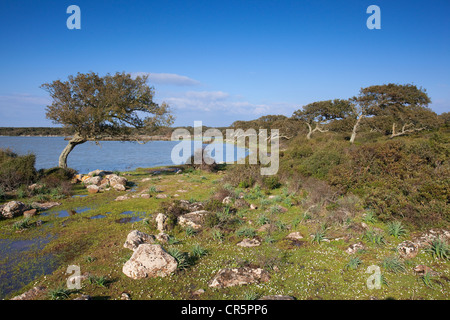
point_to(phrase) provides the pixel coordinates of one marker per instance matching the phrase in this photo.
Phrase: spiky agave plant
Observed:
(396, 229)
(439, 248)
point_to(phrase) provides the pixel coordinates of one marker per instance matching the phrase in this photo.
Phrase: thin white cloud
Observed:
(218, 101)
(168, 79)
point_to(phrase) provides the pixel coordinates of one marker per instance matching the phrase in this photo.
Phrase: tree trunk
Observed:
(76, 140)
(355, 127)
(308, 136)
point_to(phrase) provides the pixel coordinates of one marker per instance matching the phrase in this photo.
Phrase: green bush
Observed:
(16, 170)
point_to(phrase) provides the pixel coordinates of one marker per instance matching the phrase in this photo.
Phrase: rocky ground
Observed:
(127, 239)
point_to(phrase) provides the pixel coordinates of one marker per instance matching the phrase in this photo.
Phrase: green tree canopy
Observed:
(318, 114)
(94, 107)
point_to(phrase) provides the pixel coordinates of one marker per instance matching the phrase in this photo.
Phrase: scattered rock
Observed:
(145, 196)
(136, 238)
(119, 187)
(149, 260)
(193, 219)
(161, 196)
(425, 239)
(98, 172)
(13, 209)
(121, 198)
(161, 224)
(29, 213)
(227, 200)
(277, 297)
(45, 205)
(246, 243)
(198, 292)
(182, 191)
(353, 248)
(422, 270)
(93, 188)
(408, 249)
(146, 179)
(35, 186)
(163, 237)
(125, 296)
(30, 294)
(114, 180)
(364, 225)
(253, 206)
(92, 181)
(84, 297)
(294, 236)
(266, 227)
(238, 276)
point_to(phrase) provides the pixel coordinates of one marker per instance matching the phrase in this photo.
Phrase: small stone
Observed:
(408, 249)
(119, 187)
(121, 198)
(353, 248)
(238, 276)
(246, 243)
(198, 292)
(294, 236)
(125, 296)
(253, 206)
(30, 294)
(163, 237)
(145, 196)
(84, 297)
(277, 297)
(161, 196)
(29, 213)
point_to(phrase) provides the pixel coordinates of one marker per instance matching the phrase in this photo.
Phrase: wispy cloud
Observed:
(219, 101)
(168, 79)
(22, 109)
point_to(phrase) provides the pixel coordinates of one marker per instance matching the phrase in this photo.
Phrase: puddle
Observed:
(98, 216)
(79, 196)
(16, 271)
(66, 213)
(137, 216)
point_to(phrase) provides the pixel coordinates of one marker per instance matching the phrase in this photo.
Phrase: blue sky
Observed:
(221, 61)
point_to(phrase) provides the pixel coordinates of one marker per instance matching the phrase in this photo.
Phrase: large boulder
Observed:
(114, 180)
(149, 260)
(93, 181)
(194, 219)
(230, 277)
(45, 205)
(136, 238)
(13, 209)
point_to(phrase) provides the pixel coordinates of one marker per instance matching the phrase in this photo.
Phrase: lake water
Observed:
(111, 155)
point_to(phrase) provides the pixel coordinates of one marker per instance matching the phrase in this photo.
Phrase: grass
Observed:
(181, 257)
(246, 232)
(353, 263)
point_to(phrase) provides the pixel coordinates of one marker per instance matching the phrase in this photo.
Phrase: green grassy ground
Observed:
(304, 269)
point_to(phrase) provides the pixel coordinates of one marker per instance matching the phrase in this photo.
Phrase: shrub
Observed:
(271, 182)
(374, 237)
(16, 170)
(198, 251)
(181, 257)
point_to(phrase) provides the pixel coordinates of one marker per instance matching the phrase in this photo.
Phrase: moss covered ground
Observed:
(304, 269)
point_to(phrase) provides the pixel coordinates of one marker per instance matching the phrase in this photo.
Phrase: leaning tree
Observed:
(394, 108)
(94, 107)
(318, 114)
